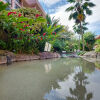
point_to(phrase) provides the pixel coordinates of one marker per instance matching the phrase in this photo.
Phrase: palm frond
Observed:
(88, 11)
(71, 1)
(58, 29)
(90, 4)
(87, 0)
(75, 14)
(48, 18)
(55, 22)
(70, 8)
(84, 28)
(85, 23)
(71, 16)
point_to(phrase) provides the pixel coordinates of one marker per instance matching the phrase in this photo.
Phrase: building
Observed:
(26, 3)
(97, 37)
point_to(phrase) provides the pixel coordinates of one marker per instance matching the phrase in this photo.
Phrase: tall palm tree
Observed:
(78, 31)
(79, 10)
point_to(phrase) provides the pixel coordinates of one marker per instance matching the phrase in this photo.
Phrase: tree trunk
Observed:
(79, 42)
(82, 36)
(83, 41)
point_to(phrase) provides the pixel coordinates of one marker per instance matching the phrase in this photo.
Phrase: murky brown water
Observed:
(56, 79)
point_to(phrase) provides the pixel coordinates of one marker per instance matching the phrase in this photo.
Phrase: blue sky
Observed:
(57, 8)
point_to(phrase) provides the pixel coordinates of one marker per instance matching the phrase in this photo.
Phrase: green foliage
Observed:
(89, 41)
(58, 45)
(52, 26)
(2, 45)
(3, 6)
(97, 48)
(97, 43)
(81, 53)
(71, 45)
(26, 31)
(97, 64)
(20, 31)
(79, 9)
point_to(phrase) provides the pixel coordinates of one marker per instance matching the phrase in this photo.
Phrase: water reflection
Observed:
(80, 91)
(56, 79)
(78, 80)
(47, 67)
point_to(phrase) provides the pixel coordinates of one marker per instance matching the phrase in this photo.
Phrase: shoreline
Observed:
(89, 59)
(91, 56)
(9, 57)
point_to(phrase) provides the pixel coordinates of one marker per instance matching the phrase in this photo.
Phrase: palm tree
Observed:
(79, 10)
(78, 31)
(53, 23)
(51, 26)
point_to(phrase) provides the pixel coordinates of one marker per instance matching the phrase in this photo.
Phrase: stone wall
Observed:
(92, 54)
(8, 57)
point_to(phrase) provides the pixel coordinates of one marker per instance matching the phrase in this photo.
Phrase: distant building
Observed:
(97, 37)
(26, 3)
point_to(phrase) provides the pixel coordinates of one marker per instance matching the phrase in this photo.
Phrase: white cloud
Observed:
(63, 16)
(96, 12)
(95, 18)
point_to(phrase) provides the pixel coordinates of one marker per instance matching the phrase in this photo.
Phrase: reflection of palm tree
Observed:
(80, 92)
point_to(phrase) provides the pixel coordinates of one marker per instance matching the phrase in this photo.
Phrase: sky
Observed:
(57, 8)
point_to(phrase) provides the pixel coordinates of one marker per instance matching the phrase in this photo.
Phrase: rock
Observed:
(23, 57)
(49, 55)
(98, 55)
(91, 54)
(9, 57)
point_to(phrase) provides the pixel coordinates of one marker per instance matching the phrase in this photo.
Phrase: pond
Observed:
(54, 79)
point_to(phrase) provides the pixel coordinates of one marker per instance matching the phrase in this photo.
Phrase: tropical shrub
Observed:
(26, 31)
(3, 6)
(89, 39)
(97, 64)
(2, 45)
(69, 47)
(57, 45)
(81, 53)
(97, 45)
(19, 31)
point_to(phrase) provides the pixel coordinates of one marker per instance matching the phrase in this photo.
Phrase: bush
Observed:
(71, 46)
(20, 28)
(97, 45)
(81, 53)
(3, 6)
(58, 45)
(89, 39)
(2, 45)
